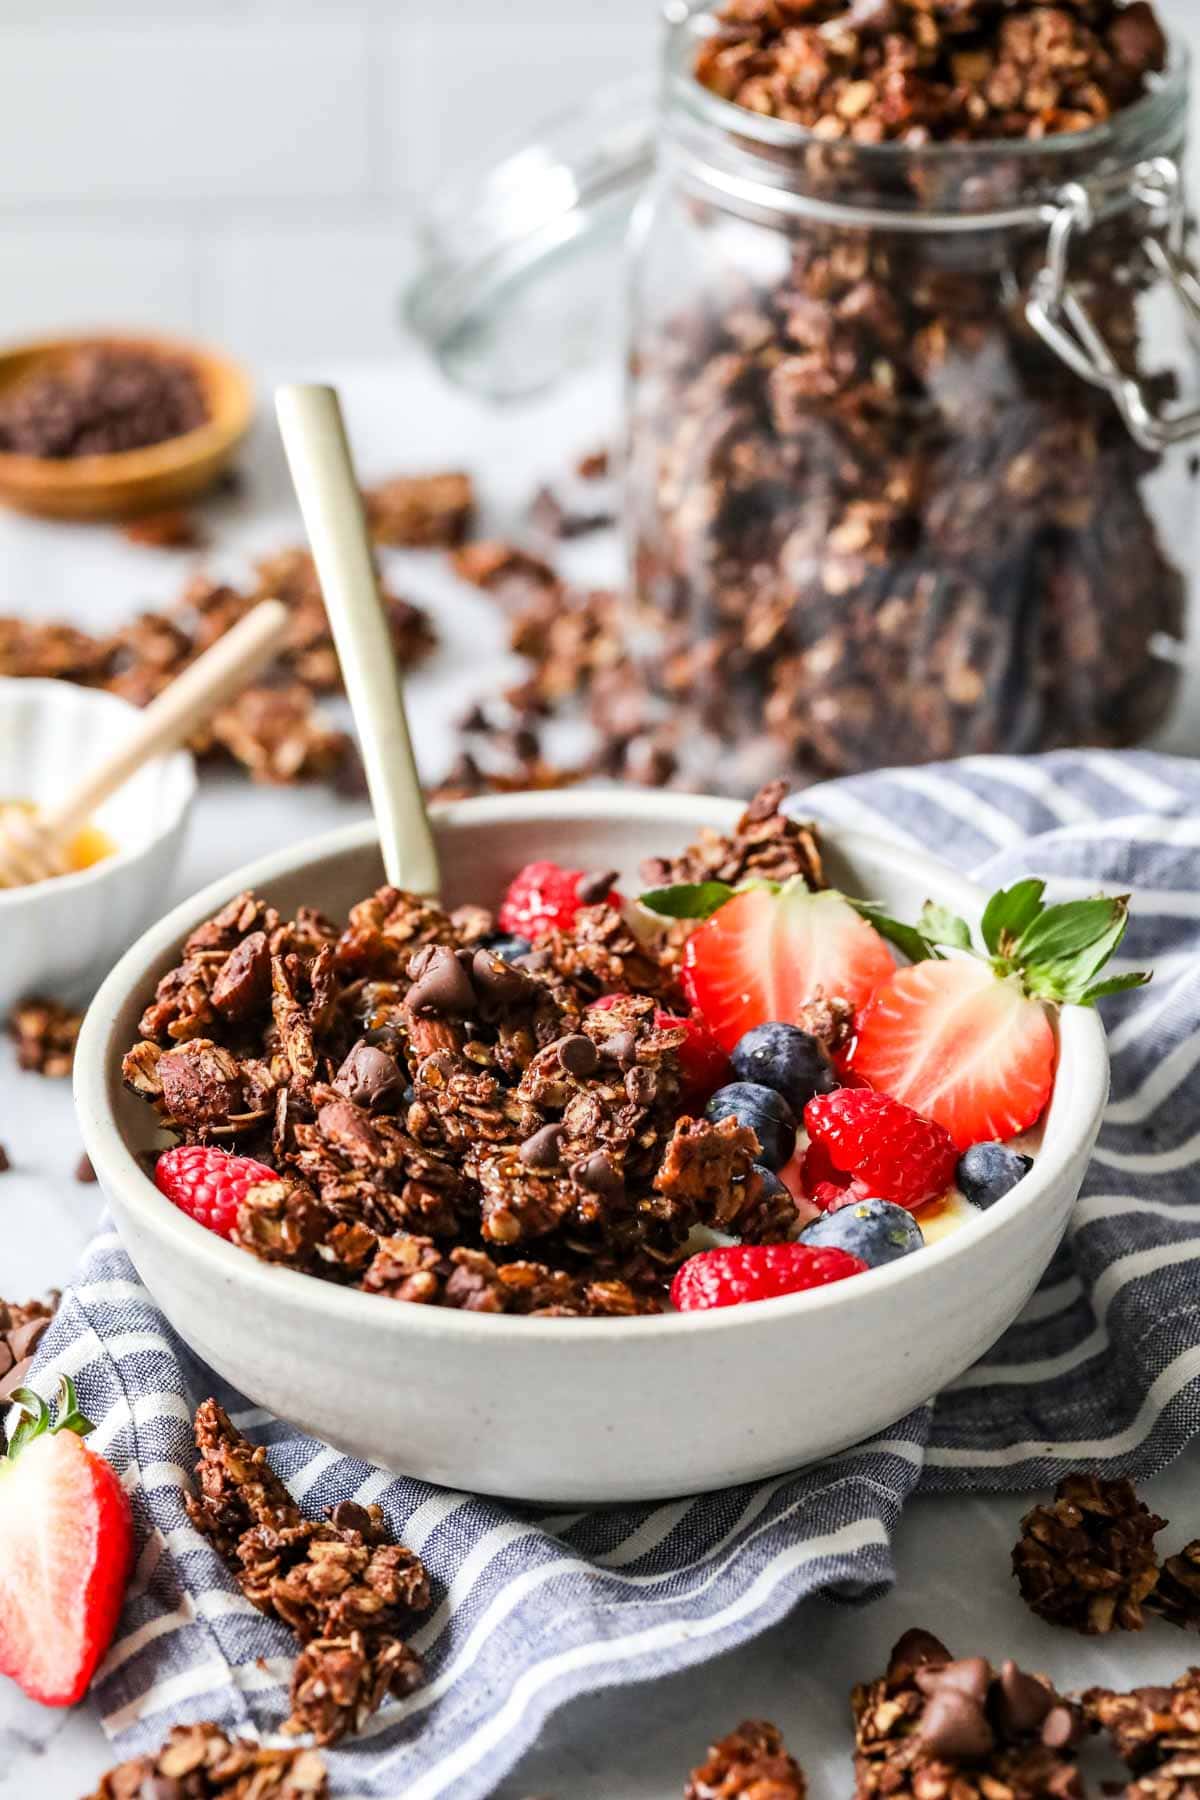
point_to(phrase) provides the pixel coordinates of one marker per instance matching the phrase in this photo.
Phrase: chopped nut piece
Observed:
(1088, 1560)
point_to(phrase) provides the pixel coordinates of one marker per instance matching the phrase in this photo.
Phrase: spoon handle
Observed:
(314, 437)
(178, 712)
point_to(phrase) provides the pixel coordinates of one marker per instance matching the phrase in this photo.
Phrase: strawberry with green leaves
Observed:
(66, 1551)
(966, 1039)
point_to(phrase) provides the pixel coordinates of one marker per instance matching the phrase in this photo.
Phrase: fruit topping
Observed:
(767, 953)
(740, 1272)
(67, 1537)
(869, 1146)
(966, 1040)
(208, 1184)
(873, 1230)
(543, 897)
(701, 1059)
(787, 1059)
(766, 1113)
(986, 1172)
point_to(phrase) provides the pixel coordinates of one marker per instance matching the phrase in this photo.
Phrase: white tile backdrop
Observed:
(249, 169)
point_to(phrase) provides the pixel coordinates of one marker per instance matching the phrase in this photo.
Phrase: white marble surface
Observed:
(632, 1744)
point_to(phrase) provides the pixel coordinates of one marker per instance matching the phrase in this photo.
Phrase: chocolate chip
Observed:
(953, 1726)
(622, 1048)
(598, 1174)
(594, 888)
(917, 1649)
(370, 1077)
(1063, 1728)
(972, 1676)
(1022, 1702)
(498, 981)
(84, 1171)
(442, 985)
(541, 1151)
(348, 1515)
(578, 1056)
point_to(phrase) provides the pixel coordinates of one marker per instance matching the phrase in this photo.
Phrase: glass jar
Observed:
(908, 473)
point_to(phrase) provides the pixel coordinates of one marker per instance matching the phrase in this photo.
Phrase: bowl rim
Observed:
(1081, 1038)
(219, 432)
(180, 788)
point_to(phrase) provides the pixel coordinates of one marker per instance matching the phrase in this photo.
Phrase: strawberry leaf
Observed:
(1061, 933)
(907, 938)
(688, 899)
(69, 1417)
(1115, 984)
(940, 926)
(1010, 913)
(35, 1419)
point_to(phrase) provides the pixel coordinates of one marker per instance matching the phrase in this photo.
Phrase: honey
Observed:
(88, 847)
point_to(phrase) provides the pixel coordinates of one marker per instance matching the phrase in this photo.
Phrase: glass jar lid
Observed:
(523, 274)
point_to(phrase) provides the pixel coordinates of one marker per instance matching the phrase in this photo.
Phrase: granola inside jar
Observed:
(908, 473)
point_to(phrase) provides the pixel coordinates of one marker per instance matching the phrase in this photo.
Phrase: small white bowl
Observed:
(61, 937)
(575, 1410)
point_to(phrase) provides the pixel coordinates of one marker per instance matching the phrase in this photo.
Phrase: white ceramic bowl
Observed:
(62, 937)
(568, 1410)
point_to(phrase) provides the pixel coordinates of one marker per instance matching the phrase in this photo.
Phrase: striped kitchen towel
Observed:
(532, 1607)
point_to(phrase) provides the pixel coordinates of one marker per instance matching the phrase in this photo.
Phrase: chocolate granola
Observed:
(937, 1728)
(22, 1328)
(751, 1763)
(347, 1592)
(100, 399)
(448, 1127)
(421, 512)
(45, 1033)
(1088, 1560)
(1156, 1732)
(201, 1762)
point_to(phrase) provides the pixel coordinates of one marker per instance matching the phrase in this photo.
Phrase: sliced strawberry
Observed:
(961, 1045)
(66, 1550)
(765, 954)
(704, 1064)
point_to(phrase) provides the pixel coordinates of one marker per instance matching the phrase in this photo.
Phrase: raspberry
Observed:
(542, 898)
(704, 1065)
(740, 1272)
(867, 1146)
(208, 1185)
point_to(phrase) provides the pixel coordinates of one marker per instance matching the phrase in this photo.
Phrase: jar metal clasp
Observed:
(1058, 313)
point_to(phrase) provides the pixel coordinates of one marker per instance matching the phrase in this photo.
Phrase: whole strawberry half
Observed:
(737, 1273)
(66, 1550)
(543, 897)
(966, 1040)
(867, 1146)
(767, 952)
(208, 1184)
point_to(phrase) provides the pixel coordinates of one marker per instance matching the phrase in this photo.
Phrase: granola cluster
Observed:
(449, 1127)
(921, 72)
(273, 729)
(22, 1328)
(347, 1592)
(936, 1728)
(1088, 1559)
(751, 1763)
(200, 1762)
(44, 1033)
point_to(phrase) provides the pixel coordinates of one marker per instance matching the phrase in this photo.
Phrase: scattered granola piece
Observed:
(201, 1761)
(1156, 1732)
(1177, 1595)
(766, 843)
(421, 512)
(22, 1329)
(1088, 1560)
(45, 1034)
(171, 530)
(752, 1763)
(5, 1164)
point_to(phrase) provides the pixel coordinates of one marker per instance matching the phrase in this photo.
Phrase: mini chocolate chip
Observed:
(370, 1077)
(541, 1150)
(622, 1048)
(443, 985)
(594, 888)
(917, 1649)
(954, 1726)
(1062, 1729)
(499, 981)
(598, 1174)
(84, 1171)
(577, 1055)
(348, 1515)
(1023, 1701)
(972, 1675)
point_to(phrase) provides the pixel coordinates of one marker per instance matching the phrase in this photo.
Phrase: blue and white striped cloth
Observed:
(532, 1608)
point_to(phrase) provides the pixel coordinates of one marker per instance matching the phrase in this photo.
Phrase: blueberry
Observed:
(875, 1230)
(506, 945)
(766, 1113)
(986, 1172)
(783, 1057)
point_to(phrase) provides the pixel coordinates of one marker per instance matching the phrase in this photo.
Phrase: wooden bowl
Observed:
(127, 483)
